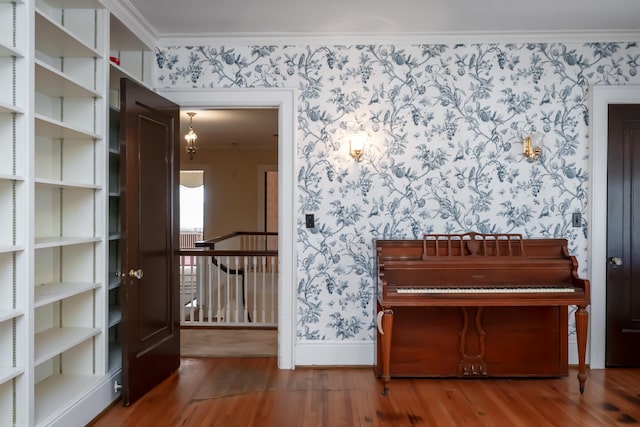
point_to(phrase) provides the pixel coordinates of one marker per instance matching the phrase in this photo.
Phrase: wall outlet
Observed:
(309, 220)
(576, 219)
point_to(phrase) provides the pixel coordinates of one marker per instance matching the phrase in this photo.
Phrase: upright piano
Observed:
(478, 305)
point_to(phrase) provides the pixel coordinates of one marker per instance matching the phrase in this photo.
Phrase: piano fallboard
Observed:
(486, 297)
(503, 291)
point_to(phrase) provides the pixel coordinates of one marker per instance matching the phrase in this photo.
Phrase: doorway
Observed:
(284, 101)
(229, 302)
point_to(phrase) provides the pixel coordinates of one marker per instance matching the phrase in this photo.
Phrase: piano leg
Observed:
(582, 324)
(387, 330)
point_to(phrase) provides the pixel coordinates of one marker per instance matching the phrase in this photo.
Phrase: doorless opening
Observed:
(284, 101)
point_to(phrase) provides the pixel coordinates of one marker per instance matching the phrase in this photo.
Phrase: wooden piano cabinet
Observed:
(518, 342)
(478, 305)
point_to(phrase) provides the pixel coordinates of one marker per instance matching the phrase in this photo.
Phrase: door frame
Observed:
(602, 97)
(284, 101)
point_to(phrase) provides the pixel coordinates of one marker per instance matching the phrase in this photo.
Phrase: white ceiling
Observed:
(291, 18)
(232, 128)
(206, 17)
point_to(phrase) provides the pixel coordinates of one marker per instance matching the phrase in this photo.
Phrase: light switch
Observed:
(576, 219)
(309, 220)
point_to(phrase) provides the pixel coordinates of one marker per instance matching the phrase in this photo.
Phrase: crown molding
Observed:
(132, 19)
(297, 39)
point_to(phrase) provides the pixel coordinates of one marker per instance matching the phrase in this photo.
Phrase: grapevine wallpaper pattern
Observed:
(444, 150)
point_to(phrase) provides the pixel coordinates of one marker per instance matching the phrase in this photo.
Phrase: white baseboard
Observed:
(90, 405)
(361, 353)
(335, 353)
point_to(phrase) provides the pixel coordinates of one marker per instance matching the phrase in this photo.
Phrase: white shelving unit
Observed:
(114, 356)
(129, 55)
(60, 314)
(132, 58)
(69, 173)
(14, 196)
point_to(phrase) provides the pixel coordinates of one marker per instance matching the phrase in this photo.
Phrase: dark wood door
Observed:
(623, 237)
(150, 179)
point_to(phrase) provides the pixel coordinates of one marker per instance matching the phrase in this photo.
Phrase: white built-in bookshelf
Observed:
(114, 356)
(134, 58)
(131, 58)
(14, 219)
(68, 177)
(60, 314)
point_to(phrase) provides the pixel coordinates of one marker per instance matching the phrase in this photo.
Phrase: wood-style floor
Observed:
(225, 342)
(253, 392)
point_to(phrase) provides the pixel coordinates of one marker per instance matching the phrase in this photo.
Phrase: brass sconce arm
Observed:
(530, 151)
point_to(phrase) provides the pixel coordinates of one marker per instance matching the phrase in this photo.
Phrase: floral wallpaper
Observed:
(444, 152)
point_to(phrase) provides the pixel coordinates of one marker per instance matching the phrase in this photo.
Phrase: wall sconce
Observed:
(191, 137)
(531, 147)
(356, 145)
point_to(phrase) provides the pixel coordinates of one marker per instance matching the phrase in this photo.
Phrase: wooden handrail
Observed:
(210, 243)
(225, 252)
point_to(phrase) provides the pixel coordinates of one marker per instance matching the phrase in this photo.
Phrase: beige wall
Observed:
(231, 187)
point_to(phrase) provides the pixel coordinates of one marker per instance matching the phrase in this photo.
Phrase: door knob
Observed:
(136, 273)
(615, 261)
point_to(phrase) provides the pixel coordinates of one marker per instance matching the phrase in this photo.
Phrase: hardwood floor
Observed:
(253, 392)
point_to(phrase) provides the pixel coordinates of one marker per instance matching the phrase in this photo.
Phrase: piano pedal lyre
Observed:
(472, 369)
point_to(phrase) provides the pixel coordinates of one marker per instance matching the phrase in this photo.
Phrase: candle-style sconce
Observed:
(531, 147)
(356, 145)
